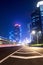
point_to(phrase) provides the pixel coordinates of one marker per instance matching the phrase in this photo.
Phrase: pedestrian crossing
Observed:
(25, 53)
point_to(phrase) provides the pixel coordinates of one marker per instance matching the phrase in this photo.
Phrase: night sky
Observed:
(15, 11)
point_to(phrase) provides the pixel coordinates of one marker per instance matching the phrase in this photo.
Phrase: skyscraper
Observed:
(17, 32)
(37, 20)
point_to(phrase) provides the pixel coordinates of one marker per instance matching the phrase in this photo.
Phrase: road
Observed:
(21, 55)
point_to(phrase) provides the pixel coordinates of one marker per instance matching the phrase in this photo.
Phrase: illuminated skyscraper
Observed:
(17, 32)
(37, 20)
(40, 5)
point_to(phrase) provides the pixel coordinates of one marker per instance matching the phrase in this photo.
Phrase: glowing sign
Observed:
(17, 25)
(39, 3)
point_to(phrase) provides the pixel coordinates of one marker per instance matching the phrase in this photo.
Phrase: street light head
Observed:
(39, 32)
(33, 32)
(39, 3)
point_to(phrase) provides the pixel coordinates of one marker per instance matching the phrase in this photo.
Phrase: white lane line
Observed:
(33, 49)
(25, 53)
(37, 52)
(17, 51)
(31, 57)
(9, 56)
(21, 57)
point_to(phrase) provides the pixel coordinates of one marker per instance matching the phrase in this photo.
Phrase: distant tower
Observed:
(17, 32)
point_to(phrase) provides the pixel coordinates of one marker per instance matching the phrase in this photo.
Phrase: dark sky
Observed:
(12, 11)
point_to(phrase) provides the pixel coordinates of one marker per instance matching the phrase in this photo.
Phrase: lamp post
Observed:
(33, 33)
(37, 38)
(37, 35)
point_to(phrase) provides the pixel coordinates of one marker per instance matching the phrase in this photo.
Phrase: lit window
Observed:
(33, 20)
(41, 8)
(37, 16)
(33, 17)
(37, 19)
(41, 13)
(42, 19)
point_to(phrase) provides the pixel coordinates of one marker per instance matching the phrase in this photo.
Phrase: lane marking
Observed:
(37, 52)
(31, 57)
(9, 56)
(25, 53)
(33, 49)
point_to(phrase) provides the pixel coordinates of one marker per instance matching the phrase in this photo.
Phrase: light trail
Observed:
(8, 45)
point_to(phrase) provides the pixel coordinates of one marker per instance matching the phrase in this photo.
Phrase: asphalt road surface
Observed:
(21, 55)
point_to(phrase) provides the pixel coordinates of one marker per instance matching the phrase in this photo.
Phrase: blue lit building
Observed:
(37, 21)
(17, 32)
(15, 35)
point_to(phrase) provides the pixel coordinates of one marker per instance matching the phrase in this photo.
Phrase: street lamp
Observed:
(37, 34)
(39, 3)
(33, 32)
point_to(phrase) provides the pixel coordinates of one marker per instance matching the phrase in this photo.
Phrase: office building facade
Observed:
(17, 32)
(37, 21)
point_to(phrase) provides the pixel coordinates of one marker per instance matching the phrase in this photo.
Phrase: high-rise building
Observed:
(37, 21)
(17, 32)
